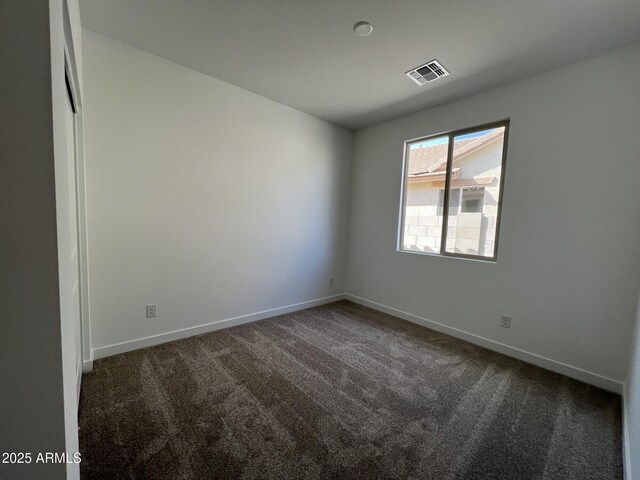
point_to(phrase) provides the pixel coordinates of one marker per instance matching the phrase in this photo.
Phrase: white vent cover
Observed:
(428, 72)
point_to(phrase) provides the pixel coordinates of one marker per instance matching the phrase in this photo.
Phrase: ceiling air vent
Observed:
(428, 72)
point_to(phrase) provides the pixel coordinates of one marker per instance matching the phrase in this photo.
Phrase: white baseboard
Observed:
(87, 366)
(626, 447)
(547, 363)
(130, 345)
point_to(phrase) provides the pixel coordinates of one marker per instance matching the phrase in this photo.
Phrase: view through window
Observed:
(452, 192)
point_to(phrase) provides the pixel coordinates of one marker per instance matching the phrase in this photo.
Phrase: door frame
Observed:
(73, 82)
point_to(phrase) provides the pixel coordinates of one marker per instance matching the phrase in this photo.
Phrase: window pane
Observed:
(476, 170)
(425, 175)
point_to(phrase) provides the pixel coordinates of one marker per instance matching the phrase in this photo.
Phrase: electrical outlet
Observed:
(151, 310)
(505, 321)
(331, 282)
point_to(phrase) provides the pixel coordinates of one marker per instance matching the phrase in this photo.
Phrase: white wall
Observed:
(568, 262)
(204, 198)
(632, 407)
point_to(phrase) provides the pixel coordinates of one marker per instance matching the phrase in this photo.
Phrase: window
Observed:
(452, 192)
(472, 200)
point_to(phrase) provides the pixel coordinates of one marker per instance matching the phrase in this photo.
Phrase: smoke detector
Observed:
(362, 29)
(427, 73)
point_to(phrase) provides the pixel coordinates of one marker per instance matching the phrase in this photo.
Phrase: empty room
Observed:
(297, 239)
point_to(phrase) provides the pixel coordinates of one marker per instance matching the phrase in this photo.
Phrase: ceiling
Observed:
(303, 53)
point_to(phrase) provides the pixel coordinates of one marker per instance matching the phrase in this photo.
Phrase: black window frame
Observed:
(447, 191)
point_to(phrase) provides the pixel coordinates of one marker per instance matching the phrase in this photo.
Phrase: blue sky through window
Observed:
(474, 134)
(432, 142)
(440, 140)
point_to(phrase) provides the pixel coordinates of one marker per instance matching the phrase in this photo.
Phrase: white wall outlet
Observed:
(505, 321)
(151, 310)
(331, 282)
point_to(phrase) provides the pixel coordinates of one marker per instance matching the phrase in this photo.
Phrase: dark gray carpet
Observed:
(340, 391)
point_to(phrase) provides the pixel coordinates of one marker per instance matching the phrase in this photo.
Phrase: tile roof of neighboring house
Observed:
(425, 160)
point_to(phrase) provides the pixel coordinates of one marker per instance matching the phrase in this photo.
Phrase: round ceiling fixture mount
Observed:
(363, 29)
